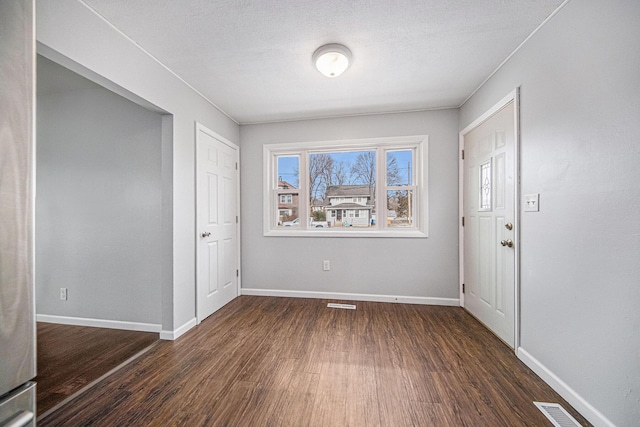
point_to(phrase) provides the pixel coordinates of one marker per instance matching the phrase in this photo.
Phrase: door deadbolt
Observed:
(508, 242)
(508, 226)
(206, 234)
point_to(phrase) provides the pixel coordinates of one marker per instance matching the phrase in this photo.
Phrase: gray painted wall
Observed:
(98, 201)
(91, 47)
(580, 263)
(426, 267)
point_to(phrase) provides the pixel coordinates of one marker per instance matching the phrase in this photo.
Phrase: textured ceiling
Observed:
(252, 58)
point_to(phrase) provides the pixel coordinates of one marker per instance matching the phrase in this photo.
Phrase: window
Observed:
(371, 187)
(287, 190)
(485, 186)
(400, 188)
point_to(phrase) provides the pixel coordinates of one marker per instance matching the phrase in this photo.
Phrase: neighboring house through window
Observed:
(347, 201)
(288, 201)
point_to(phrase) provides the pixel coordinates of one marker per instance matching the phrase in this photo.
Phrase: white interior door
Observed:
(489, 189)
(217, 223)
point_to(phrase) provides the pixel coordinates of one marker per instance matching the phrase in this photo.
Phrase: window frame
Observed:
(418, 143)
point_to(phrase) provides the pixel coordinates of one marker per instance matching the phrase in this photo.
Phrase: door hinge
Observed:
(463, 221)
(237, 273)
(236, 219)
(462, 154)
(463, 288)
(236, 165)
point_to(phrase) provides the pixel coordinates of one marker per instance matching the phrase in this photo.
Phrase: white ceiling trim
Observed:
(213, 104)
(338, 116)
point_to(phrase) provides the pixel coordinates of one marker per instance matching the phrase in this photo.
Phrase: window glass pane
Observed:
(287, 209)
(400, 208)
(400, 167)
(287, 204)
(485, 186)
(342, 188)
(288, 172)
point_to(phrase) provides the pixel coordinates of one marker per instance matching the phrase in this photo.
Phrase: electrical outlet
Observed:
(63, 294)
(326, 265)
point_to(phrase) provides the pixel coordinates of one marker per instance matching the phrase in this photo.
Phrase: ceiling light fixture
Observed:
(332, 59)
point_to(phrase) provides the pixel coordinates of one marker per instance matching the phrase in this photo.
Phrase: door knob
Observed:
(206, 234)
(508, 226)
(508, 242)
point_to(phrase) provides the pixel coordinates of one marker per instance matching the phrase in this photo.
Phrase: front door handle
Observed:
(508, 242)
(205, 234)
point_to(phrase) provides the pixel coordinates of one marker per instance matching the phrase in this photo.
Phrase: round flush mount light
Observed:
(332, 59)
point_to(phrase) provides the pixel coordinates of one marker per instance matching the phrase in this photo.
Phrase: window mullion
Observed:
(273, 194)
(303, 198)
(381, 191)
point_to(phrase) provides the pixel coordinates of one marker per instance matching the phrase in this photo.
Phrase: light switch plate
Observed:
(532, 202)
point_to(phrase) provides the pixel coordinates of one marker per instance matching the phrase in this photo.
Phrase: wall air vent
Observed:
(345, 306)
(558, 416)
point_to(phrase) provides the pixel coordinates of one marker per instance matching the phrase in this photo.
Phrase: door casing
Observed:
(513, 96)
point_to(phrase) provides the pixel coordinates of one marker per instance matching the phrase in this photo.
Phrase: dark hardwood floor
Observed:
(70, 357)
(264, 361)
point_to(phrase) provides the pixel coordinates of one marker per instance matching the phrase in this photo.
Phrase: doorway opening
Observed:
(101, 234)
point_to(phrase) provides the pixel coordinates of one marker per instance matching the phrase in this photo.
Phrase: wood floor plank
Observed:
(268, 394)
(264, 361)
(330, 405)
(295, 406)
(362, 392)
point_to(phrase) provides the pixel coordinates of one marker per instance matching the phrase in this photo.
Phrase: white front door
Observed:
(489, 185)
(217, 226)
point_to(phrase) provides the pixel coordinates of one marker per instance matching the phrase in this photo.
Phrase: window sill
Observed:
(413, 233)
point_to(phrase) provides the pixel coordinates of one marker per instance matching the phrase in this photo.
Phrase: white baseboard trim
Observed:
(175, 334)
(352, 297)
(99, 323)
(594, 416)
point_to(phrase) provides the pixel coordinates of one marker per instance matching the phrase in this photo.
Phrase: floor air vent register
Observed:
(558, 416)
(344, 306)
